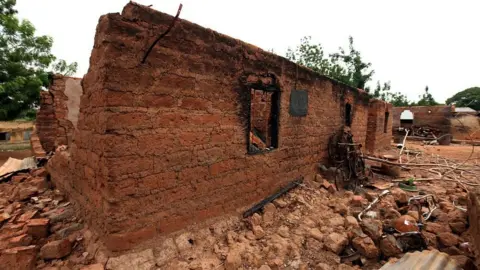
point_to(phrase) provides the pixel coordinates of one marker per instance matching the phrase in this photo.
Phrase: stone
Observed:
(166, 252)
(258, 232)
(389, 246)
(463, 262)
(365, 246)
(373, 228)
(335, 242)
(21, 240)
(185, 242)
(280, 203)
(27, 216)
(337, 221)
(326, 184)
(39, 183)
(264, 267)
(316, 234)
(351, 222)
(357, 200)
(436, 228)
(255, 219)
(4, 216)
(38, 227)
(313, 245)
(143, 260)
(392, 214)
(62, 233)
(19, 178)
(452, 251)
(414, 214)
(233, 260)
(399, 195)
(18, 258)
(56, 249)
(341, 209)
(458, 227)
(25, 192)
(60, 214)
(97, 266)
(40, 172)
(269, 214)
(308, 222)
(447, 239)
(249, 235)
(323, 266)
(283, 231)
(231, 238)
(345, 267)
(431, 238)
(440, 216)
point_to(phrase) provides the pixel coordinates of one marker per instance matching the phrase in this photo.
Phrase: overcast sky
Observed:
(410, 43)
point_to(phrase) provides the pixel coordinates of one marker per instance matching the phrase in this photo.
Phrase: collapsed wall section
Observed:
(58, 114)
(379, 131)
(437, 117)
(164, 144)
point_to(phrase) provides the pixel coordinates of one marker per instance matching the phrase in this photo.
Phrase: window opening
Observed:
(385, 122)
(264, 111)
(406, 119)
(348, 115)
(4, 136)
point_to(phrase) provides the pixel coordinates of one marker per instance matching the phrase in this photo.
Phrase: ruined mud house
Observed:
(201, 125)
(454, 123)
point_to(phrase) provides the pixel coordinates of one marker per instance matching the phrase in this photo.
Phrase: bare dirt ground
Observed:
(311, 227)
(19, 154)
(453, 151)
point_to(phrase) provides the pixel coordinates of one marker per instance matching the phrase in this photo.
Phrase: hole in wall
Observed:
(191, 241)
(348, 114)
(264, 111)
(4, 136)
(385, 122)
(406, 119)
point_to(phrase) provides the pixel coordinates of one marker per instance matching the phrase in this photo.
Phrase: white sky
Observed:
(411, 43)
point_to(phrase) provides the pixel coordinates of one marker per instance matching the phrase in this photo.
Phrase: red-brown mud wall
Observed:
(379, 130)
(163, 144)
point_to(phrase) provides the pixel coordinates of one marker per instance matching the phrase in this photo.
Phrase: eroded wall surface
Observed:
(59, 110)
(465, 127)
(433, 116)
(163, 144)
(379, 131)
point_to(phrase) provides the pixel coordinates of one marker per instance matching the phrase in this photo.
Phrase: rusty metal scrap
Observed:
(13, 165)
(384, 193)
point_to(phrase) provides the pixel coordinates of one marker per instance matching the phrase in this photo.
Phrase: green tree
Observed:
(346, 66)
(25, 61)
(469, 97)
(426, 99)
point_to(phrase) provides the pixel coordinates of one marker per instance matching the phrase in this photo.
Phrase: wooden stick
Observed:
(403, 146)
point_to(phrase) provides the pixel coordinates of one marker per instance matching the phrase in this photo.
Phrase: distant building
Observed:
(15, 131)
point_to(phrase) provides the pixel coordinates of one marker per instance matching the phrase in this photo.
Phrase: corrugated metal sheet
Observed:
(428, 259)
(13, 165)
